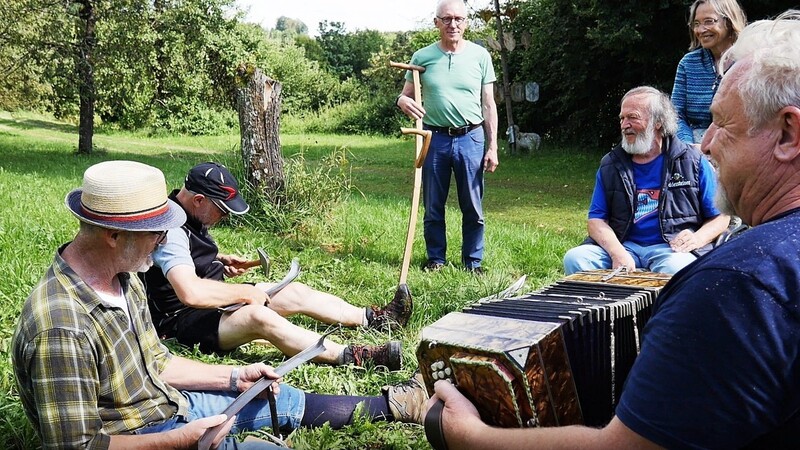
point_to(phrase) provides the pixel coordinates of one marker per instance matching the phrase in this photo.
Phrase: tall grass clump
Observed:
(313, 191)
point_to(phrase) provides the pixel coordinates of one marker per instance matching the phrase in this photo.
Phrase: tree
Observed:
(84, 61)
(259, 105)
(347, 54)
(292, 26)
(586, 53)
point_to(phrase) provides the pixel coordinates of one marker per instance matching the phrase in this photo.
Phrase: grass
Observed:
(535, 207)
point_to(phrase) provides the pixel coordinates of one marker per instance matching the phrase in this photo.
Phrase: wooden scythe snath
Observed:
(258, 101)
(423, 140)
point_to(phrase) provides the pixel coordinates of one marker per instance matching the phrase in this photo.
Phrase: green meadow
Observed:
(535, 208)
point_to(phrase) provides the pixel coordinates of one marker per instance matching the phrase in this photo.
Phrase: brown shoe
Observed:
(388, 355)
(397, 312)
(407, 400)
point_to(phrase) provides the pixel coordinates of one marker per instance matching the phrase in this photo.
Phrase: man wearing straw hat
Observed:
(185, 288)
(89, 367)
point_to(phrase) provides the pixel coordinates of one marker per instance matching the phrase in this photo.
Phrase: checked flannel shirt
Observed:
(83, 371)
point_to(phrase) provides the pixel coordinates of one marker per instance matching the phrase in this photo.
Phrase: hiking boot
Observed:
(478, 271)
(387, 355)
(397, 312)
(432, 266)
(407, 400)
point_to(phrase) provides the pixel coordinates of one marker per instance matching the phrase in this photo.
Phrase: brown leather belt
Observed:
(453, 131)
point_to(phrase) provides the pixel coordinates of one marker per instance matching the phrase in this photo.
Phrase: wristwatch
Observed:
(234, 379)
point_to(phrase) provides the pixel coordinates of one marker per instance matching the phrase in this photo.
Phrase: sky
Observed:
(380, 15)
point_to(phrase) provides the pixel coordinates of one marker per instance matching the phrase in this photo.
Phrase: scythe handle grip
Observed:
(405, 66)
(426, 142)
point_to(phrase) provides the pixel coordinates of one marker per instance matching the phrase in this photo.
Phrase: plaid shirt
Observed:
(83, 371)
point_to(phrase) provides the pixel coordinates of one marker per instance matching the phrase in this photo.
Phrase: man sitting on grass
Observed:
(652, 206)
(89, 368)
(186, 286)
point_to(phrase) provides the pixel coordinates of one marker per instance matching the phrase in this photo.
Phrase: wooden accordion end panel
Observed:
(515, 372)
(557, 356)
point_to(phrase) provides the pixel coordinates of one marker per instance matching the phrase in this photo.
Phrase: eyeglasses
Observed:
(162, 236)
(706, 23)
(449, 20)
(223, 210)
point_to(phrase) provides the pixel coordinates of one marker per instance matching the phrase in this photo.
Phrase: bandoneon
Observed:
(557, 356)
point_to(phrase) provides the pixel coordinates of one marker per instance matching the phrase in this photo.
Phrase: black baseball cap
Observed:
(216, 182)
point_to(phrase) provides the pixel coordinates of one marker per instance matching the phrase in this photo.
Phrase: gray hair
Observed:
(732, 15)
(660, 108)
(772, 82)
(441, 3)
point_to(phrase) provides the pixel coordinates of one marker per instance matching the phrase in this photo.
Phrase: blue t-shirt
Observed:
(720, 358)
(174, 252)
(646, 229)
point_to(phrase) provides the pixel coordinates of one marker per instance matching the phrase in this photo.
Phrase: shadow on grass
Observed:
(29, 124)
(61, 161)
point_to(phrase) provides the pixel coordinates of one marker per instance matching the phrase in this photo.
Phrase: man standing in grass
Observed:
(89, 367)
(459, 109)
(186, 288)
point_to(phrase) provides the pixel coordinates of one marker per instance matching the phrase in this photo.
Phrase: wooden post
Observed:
(258, 101)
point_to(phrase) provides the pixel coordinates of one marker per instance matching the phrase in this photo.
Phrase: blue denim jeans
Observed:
(291, 404)
(655, 258)
(462, 156)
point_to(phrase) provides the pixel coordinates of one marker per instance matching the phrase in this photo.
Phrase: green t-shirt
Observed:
(452, 83)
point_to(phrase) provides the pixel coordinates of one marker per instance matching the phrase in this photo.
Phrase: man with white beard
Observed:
(653, 201)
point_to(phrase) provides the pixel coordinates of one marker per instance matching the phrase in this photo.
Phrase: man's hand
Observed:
(232, 265)
(684, 242)
(459, 416)
(624, 259)
(490, 161)
(410, 107)
(189, 435)
(249, 375)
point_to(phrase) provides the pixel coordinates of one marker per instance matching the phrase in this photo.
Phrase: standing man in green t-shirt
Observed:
(459, 109)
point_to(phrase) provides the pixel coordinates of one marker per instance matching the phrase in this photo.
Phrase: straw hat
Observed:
(125, 195)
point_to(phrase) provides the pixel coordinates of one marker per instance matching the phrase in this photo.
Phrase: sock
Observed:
(346, 357)
(369, 315)
(338, 409)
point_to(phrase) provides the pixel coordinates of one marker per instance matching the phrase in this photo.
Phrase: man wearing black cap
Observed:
(185, 288)
(89, 367)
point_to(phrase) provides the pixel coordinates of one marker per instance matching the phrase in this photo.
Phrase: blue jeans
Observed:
(463, 156)
(655, 258)
(291, 404)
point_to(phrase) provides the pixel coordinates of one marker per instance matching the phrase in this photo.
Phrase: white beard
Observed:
(146, 265)
(721, 200)
(641, 145)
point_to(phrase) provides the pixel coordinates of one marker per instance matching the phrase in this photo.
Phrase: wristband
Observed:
(397, 100)
(234, 379)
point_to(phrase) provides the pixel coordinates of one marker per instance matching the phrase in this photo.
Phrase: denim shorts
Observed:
(291, 404)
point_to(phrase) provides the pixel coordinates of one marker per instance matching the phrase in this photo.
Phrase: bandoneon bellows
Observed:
(557, 356)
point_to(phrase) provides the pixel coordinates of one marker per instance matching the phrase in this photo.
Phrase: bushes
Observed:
(366, 116)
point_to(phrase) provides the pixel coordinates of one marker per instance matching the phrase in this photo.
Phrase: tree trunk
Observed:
(512, 138)
(86, 89)
(258, 101)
